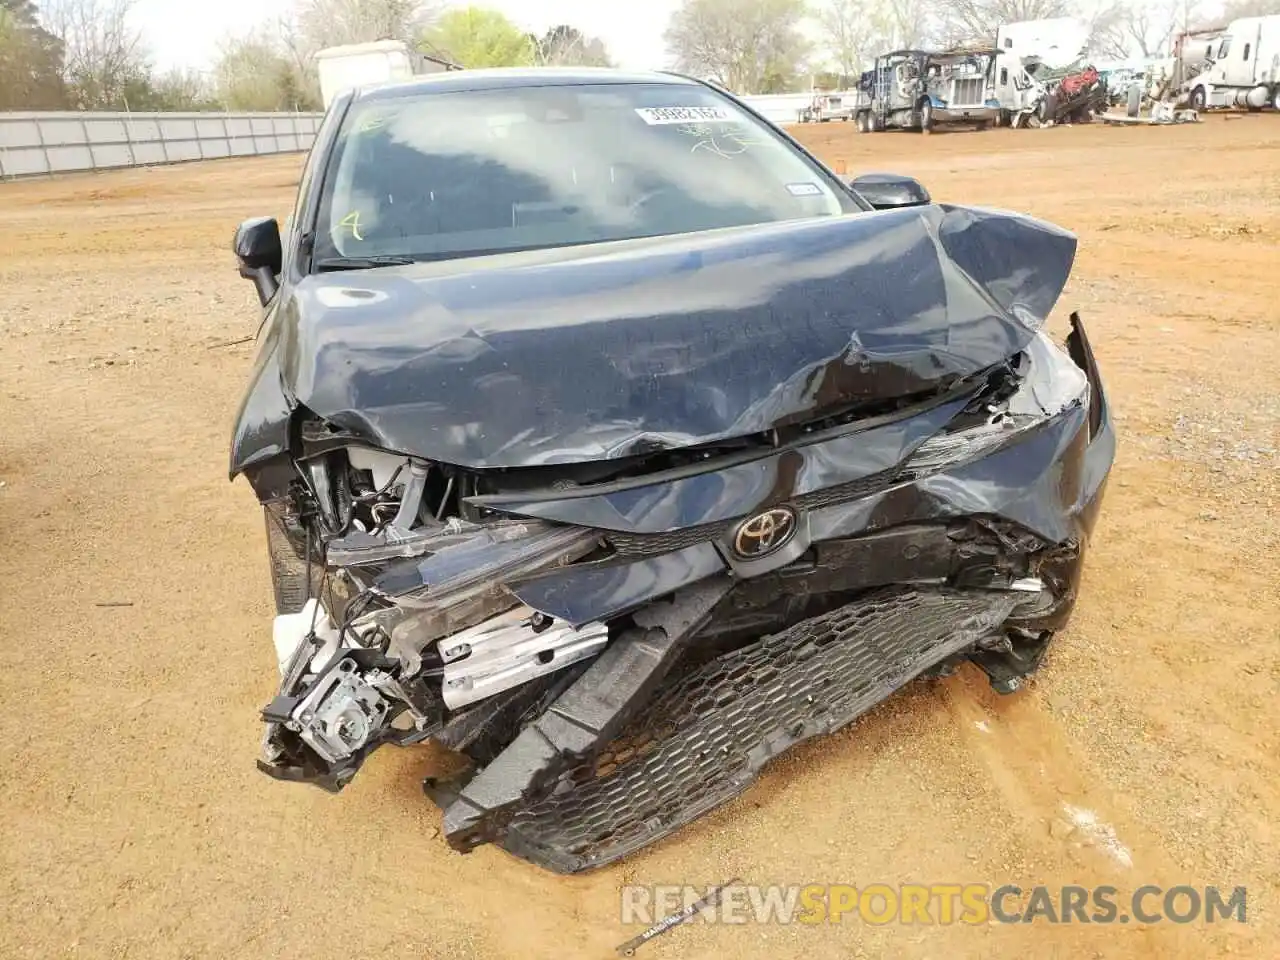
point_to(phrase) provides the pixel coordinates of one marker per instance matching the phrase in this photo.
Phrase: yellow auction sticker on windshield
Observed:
(656, 116)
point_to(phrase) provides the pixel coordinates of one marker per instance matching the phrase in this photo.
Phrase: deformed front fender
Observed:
(260, 437)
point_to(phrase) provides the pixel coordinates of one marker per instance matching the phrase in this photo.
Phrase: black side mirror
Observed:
(885, 191)
(257, 247)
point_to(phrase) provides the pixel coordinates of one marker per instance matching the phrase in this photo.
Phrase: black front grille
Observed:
(710, 731)
(653, 544)
(635, 545)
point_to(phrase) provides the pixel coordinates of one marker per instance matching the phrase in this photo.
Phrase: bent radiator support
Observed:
(709, 733)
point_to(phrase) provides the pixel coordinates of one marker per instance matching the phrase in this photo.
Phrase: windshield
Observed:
(432, 176)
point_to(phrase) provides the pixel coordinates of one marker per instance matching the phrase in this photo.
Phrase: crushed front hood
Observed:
(610, 350)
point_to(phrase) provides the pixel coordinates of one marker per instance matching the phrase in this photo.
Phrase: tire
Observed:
(1047, 112)
(1275, 98)
(1133, 101)
(860, 123)
(1198, 99)
(926, 117)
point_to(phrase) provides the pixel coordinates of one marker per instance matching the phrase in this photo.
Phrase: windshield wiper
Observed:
(360, 263)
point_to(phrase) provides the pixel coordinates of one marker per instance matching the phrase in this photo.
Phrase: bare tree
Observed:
(564, 46)
(1139, 27)
(329, 23)
(749, 46)
(103, 53)
(312, 25)
(908, 23)
(1249, 8)
(1145, 28)
(978, 19)
(855, 32)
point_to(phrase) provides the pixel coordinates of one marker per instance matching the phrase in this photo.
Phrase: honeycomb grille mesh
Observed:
(653, 544)
(709, 732)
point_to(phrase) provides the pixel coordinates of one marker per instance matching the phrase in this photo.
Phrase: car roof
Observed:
(455, 81)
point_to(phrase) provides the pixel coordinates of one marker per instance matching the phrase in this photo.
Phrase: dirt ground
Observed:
(134, 823)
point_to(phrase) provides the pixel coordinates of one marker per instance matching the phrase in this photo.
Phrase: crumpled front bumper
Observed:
(979, 561)
(950, 532)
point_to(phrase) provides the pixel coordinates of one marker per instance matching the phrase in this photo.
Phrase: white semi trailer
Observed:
(1243, 68)
(382, 61)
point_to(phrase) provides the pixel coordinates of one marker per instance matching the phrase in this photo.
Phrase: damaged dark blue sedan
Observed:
(609, 439)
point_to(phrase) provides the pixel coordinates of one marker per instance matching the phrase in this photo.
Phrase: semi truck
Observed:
(1243, 66)
(924, 89)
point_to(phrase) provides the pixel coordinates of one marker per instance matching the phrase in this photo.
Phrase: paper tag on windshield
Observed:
(655, 116)
(804, 189)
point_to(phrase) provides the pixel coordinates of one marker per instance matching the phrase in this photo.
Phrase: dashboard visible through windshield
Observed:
(467, 173)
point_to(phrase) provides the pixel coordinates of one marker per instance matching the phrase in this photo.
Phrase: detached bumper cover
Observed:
(710, 732)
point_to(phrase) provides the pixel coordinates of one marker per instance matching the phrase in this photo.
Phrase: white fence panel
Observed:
(778, 108)
(67, 142)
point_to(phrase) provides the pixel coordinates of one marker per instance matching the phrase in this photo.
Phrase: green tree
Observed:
(30, 60)
(254, 72)
(478, 37)
(180, 90)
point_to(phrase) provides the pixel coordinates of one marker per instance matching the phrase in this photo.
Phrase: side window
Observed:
(1004, 76)
(1224, 48)
(1246, 53)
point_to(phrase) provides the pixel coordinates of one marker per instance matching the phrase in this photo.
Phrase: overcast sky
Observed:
(187, 32)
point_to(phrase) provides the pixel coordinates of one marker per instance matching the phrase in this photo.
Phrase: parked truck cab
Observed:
(1244, 67)
(922, 90)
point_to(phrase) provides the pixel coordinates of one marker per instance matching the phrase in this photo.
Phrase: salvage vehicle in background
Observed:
(606, 437)
(1244, 68)
(922, 90)
(825, 107)
(1043, 74)
(1043, 96)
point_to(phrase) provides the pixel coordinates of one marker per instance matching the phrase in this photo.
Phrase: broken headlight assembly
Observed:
(362, 663)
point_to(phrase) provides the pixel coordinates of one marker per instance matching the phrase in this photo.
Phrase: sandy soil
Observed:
(135, 824)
